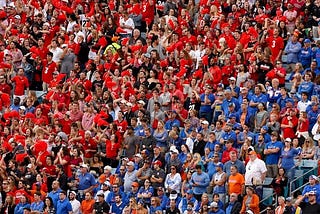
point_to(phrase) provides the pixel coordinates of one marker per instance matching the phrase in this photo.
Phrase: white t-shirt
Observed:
(254, 171)
(128, 22)
(56, 54)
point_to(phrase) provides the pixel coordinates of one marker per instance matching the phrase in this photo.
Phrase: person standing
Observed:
(86, 181)
(311, 206)
(101, 206)
(256, 171)
(63, 204)
(75, 204)
(207, 99)
(87, 204)
(21, 84)
(272, 152)
(200, 180)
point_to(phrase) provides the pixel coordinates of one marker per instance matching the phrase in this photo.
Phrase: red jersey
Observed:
(227, 72)
(47, 72)
(122, 125)
(112, 149)
(148, 10)
(66, 126)
(276, 44)
(5, 88)
(89, 145)
(21, 84)
(289, 132)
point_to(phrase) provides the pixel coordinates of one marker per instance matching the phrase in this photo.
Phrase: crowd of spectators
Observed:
(172, 106)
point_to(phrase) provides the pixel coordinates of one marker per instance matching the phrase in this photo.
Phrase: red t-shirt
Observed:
(147, 10)
(48, 71)
(21, 83)
(276, 44)
(112, 149)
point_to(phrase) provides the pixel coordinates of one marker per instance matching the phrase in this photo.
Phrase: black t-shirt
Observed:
(175, 211)
(308, 208)
(101, 208)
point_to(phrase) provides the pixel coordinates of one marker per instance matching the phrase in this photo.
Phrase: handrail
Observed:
(296, 190)
(267, 197)
(275, 202)
(294, 180)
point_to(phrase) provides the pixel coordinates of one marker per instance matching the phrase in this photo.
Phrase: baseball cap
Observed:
(289, 199)
(252, 153)
(232, 115)
(214, 204)
(221, 85)
(174, 151)
(219, 164)
(22, 108)
(147, 55)
(312, 193)
(135, 184)
(73, 192)
(288, 140)
(100, 195)
(138, 155)
(265, 128)
(307, 41)
(231, 105)
(158, 163)
(173, 195)
(314, 177)
(190, 191)
(232, 79)
(205, 122)
(130, 163)
(141, 102)
(84, 166)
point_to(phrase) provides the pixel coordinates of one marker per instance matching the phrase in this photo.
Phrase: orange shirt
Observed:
(235, 183)
(254, 204)
(87, 206)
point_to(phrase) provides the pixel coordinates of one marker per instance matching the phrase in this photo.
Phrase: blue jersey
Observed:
(274, 157)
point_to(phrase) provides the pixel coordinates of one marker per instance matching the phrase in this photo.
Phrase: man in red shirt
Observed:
(21, 84)
(275, 43)
(4, 87)
(47, 72)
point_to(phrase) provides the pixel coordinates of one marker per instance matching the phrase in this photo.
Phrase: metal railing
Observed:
(267, 198)
(290, 191)
(297, 178)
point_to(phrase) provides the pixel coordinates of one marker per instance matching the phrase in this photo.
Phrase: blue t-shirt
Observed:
(55, 197)
(64, 207)
(274, 157)
(86, 181)
(206, 108)
(287, 161)
(37, 206)
(19, 208)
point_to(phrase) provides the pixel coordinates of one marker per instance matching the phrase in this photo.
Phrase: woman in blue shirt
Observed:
(286, 160)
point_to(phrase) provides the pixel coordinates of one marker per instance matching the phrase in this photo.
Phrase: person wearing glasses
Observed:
(173, 180)
(111, 199)
(101, 206)
(87, 204)
(214, 208)
(311, 206)
(250, 202)
(233, 206)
